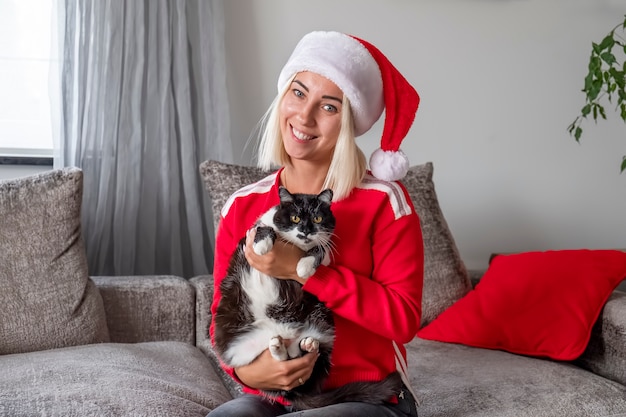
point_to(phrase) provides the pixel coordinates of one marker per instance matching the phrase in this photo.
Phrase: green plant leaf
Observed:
(618, 76)
(571, 127)
(596, 48)
(578, 133)
(608, 57)
(596, 87)
(607, 42)
(595, 63)
(623, 167)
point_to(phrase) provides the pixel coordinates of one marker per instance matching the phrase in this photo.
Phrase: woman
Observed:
(333, 88)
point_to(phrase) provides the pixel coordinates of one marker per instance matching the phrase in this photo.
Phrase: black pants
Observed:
(256, 406)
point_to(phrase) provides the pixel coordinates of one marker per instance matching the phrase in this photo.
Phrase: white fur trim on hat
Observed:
(389, 165)
(346, 62)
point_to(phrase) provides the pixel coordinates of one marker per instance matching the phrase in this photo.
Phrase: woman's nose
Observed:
(306, 114)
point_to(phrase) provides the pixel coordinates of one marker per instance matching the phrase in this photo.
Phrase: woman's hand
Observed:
(267, 373)
(279, 263)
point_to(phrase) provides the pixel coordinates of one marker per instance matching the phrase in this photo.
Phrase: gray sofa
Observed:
(150, 366)
(74, 345)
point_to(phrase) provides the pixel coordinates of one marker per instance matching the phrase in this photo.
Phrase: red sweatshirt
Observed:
(373, 284)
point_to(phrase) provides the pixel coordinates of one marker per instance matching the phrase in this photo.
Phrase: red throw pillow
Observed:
(535, 303)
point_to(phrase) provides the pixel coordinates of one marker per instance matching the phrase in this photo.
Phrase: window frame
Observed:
(19, 156)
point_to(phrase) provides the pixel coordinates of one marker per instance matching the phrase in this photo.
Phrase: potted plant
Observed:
(605, 82)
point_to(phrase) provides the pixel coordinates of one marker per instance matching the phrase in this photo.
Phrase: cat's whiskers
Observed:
(325, 241)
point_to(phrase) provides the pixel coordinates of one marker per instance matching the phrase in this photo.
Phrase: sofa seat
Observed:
(165, 378)
(454, 380)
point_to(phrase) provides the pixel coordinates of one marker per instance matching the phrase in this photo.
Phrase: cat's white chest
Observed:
(262, 291)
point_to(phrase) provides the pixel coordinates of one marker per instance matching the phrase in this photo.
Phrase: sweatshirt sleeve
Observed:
(389, 301)
(225, 244)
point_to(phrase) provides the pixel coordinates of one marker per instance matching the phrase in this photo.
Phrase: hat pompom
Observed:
(389, 165)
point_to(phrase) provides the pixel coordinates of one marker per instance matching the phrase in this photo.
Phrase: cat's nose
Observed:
(304, 237)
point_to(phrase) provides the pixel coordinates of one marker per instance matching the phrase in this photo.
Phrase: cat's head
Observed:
(306, 220)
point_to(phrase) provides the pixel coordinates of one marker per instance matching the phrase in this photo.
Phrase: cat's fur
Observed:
(257, 311)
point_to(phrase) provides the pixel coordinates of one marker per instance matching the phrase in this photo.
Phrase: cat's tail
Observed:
(361, 391)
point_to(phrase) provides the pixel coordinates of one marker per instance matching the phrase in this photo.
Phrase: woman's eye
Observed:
(298, 93)
(295, 219)
(317, 219)
(330, 108)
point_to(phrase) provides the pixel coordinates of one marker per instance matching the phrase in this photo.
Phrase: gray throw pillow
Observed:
(222, 179)
(446, 279)
(47, 299)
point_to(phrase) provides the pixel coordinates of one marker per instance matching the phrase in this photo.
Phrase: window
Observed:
(29, 79)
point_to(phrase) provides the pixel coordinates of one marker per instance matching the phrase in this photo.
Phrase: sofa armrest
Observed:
(203, 286)
(148, 308)
(204, 298)
(606, 352)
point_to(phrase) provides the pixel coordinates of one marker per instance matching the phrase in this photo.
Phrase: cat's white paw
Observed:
(263, 246)
(278, 349)
(306, 267)
(308, 344)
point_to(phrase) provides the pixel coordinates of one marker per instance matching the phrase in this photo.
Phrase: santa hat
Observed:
(370, 82)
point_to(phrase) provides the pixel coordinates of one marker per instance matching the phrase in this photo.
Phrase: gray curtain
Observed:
(143, 103)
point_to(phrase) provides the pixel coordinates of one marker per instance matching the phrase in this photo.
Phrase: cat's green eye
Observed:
(317, 219)
(295, 219)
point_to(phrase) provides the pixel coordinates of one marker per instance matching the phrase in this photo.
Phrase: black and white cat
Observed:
(257, 311)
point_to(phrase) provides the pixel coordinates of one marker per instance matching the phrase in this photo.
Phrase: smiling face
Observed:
(310, 118)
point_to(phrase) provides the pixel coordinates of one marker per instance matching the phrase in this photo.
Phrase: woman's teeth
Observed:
(301, 135)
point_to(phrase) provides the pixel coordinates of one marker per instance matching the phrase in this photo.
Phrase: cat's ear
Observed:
(285, 195)
(326, 196)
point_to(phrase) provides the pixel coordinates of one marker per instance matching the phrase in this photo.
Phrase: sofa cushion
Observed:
(445, 277)
(148, 308)
(453, 380)
(222, 179)
(534, 303)
(47, 299)
(606, 352)
(145, 379)
(204, 297)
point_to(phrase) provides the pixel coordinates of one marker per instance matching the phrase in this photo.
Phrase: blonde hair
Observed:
(348, 165)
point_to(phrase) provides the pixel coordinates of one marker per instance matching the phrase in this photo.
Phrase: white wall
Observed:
(500, 82)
